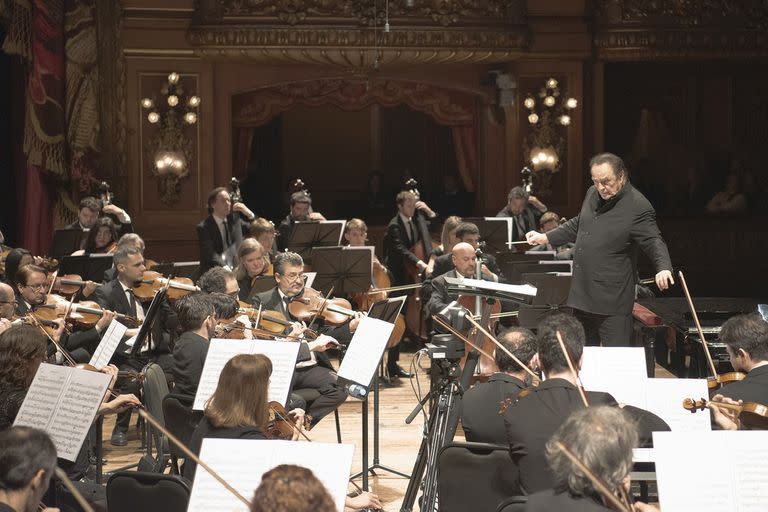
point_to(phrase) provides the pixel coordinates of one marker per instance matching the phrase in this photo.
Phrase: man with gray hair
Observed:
(601, 438)
(615, 221)
(27, 462)
(525, 209)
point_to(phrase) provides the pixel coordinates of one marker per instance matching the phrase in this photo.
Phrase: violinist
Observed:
(219, 280)
(532, 419)
(7, 306)
(263, 230)
(127, 240)
(101, 239)
(746, 341)
(27, 462)
(525, 209)
(601, 438)
(197, 321)
(480, 417)
(221, 232)
(314, 369)
(253, 262)
(469, 233)
(301, 211)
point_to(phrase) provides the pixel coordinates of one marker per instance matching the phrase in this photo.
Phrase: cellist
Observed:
(407, 249)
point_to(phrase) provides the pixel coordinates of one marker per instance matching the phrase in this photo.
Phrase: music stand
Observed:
(90, 267)
(188, 269)
(149, 319)
(346, 269)
(522, 294)
(388, 311)
(67, 241)
(496, 232)
(308, 235)
(543, 267)
(551, 295)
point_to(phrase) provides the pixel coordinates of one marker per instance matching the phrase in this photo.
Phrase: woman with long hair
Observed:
(101, 239)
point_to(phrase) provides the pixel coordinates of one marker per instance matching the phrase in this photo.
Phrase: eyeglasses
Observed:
(293, 276)
(13, 302)
(40, 286)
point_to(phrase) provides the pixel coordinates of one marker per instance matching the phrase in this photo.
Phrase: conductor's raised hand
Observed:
(664, 279)
(536, 238)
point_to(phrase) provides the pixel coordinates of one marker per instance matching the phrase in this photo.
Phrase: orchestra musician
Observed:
(253, 262)
(447, 241)
(7, 306)
(746, 341)
(101, 239)
(480, 416)
(408, 231)
(314, 369)
(469, 233)
(220, 233)
(601, 438)
(464, 262)
(127, 240)
(263, 230)
(219, 280)
(615, 220)
(548, 222)
(525, 209)
(301, 211)
(532, 419)
(197, 322)
(27, 462)
(91, 209)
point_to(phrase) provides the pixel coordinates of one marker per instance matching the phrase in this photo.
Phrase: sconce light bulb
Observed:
(173, 78)
(168, 160)
(535, 160)
(571, 103)
(533, 118)
(386, 27)
(190, 118)
(178, 164)
(159, 164)
(549, 101)
(551, 83)
(194, 101)
(147, 103)
(529, 103)
(550, 159)
(565, 120)
(173, 100)
(542, 156)
(153, 117)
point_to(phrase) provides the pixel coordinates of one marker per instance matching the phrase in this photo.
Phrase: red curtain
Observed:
(241, 153)
(465, 143)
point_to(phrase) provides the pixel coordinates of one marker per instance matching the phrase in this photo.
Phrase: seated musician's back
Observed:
(746, 340)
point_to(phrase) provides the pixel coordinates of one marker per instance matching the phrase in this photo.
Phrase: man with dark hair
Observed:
(532, 420)
(480, 416)
(525, 209)
(197, 321)
(469, 233)
(90, 209)
(219, 280)
(301, 211)
(221, 232)
(313, 368)
(601, 438)
(615, 221)
(746, 341)
(27, 462)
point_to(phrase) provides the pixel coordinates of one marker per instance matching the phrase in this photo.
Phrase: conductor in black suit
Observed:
(480, 416)
(222, 231)
(407, 230)
(531, 421)
(615, 220)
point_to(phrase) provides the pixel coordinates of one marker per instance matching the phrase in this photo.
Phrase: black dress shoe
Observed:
(119, 438)
(397, 371)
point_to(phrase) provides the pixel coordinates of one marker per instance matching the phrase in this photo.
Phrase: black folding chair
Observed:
(129, 491)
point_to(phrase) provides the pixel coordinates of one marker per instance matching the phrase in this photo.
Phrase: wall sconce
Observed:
(549, 114)
(170, 150)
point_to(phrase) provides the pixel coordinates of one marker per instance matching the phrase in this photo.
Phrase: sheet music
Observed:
(524, 289)
(309, 278)
(108, 344)
(63, 401)
(664, 397)
(619, 371)
(365, 350)
(642, 455)
(242, 462)
(712, 471)
(283, 355)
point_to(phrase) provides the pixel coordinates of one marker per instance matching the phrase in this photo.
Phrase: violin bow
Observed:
(61, 475)
(53, 280)
(456, 333)
(499, 345)
(575, 375)
(695, 316)
(320, 310)
(295, 427)
(56, 344)
(596, 480)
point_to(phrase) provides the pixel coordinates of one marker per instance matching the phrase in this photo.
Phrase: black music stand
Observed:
(346, 269)
(90, 267)
(149, 319)
(388, 311)
(188, 269)
(551, 295)
(308, 235)
(495, 232)
(545, 267)
(67, 241)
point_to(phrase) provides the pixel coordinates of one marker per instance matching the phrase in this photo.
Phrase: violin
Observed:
(85, 313)
(281, 426)
(151, 282)
(312, 303)
(752, 415)
(68, 284)
(121, 374)
(270, 321)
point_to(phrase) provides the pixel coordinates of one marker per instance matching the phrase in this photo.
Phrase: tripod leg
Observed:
(409, 498)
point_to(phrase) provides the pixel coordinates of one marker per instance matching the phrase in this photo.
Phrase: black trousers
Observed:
(128, 386)
(606, 330)
(324, 381)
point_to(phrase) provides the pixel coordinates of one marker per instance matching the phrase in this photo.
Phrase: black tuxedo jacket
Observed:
(111, 296)
(608, 235)
(439, 296)
(754, 387)
(480, 416)
(397, 246)
(546, 501)
(211, 243)
(189, 355)
(527, 221)
(532, 420)
(119, 226)
(284, 229)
